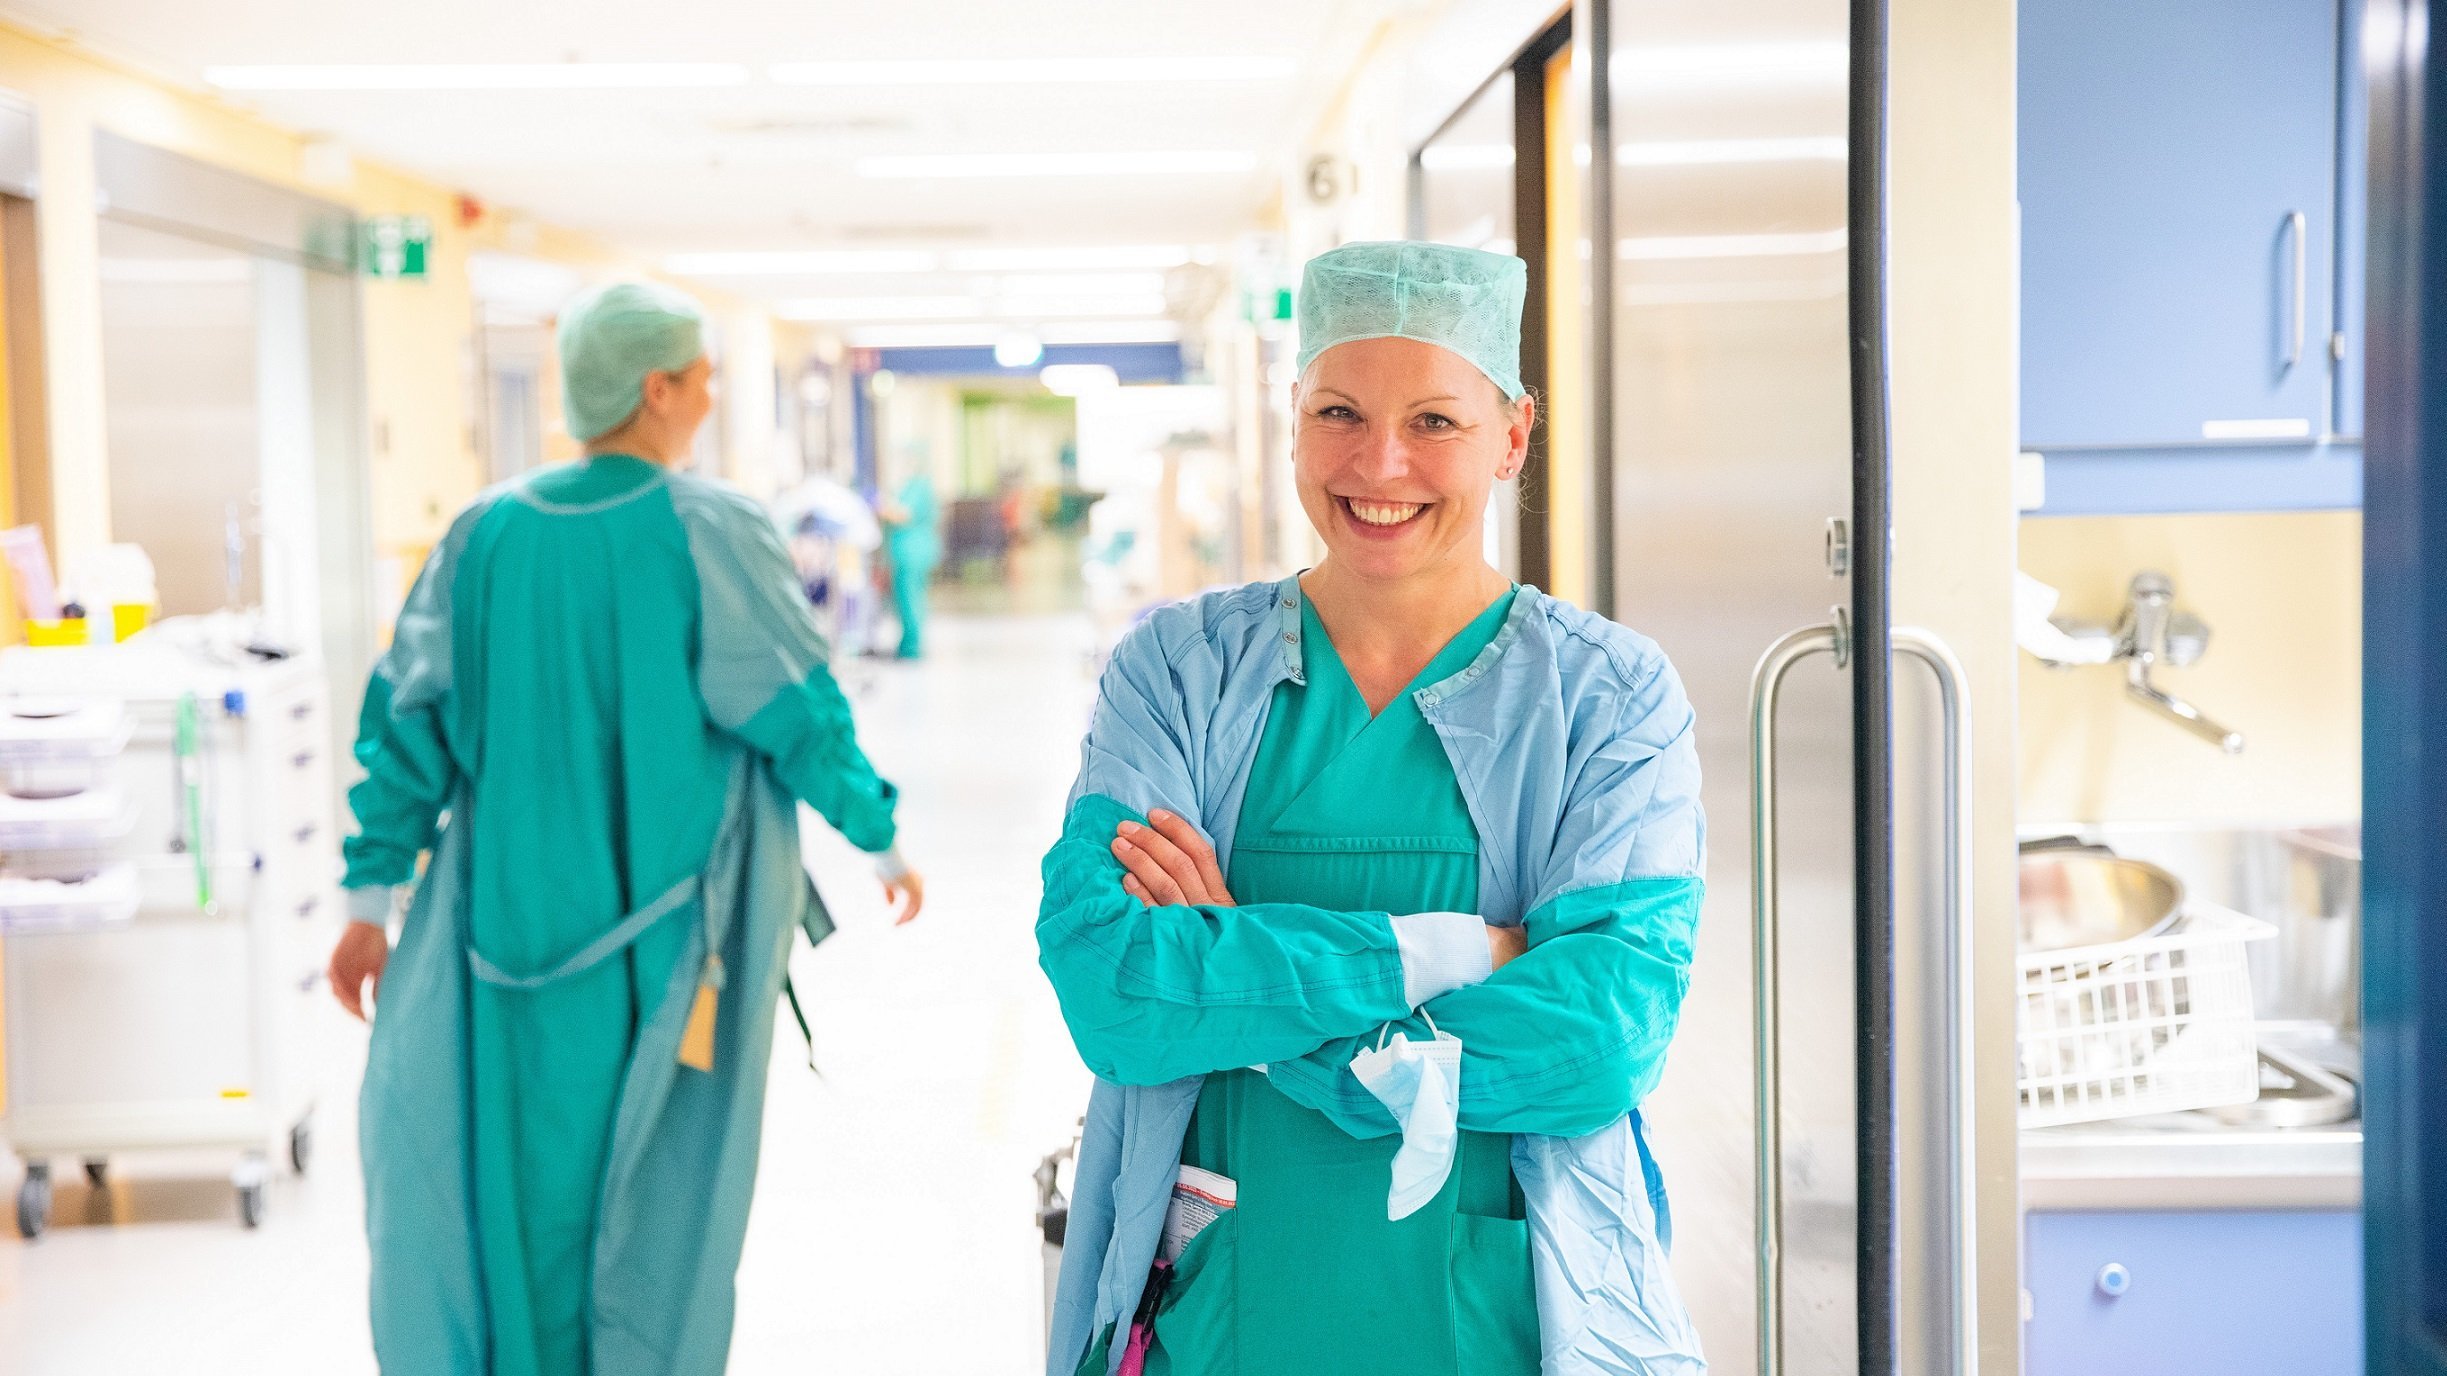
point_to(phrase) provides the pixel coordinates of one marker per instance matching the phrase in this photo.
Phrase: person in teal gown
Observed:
(604, 679)
(913, 544)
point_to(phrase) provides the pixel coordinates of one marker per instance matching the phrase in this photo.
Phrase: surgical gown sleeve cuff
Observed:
(370, 904)
(890, 865)
(1441, 952)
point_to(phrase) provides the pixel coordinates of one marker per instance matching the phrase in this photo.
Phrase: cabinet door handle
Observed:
(306, 833)
(2299, 231)
(1767, 1083)
(302, 758)
(306, 909)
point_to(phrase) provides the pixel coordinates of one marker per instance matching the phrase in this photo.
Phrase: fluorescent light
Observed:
(1711, 66)
(878, 308)
(1729, 245)
(184, 272)
(1084, 284)
(1072, 379)
(475, 76)
(1018, 350)
(1701, 152)
(1057, 306)
(1459, 157)
(1032, 71)
(932, 165)
(1113, 258)
(799, 262)
(984, 333)
(1110, 332)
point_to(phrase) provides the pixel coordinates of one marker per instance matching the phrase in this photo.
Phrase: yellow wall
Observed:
(419, 335)
(2282, 595)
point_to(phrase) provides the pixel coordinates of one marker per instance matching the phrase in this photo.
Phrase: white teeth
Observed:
(1385, 513)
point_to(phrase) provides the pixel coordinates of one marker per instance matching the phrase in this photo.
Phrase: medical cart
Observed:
(168, 899)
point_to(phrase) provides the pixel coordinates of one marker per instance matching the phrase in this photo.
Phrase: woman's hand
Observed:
(1504, 944)
(357, 961)
(910, 892)
(1169, 862)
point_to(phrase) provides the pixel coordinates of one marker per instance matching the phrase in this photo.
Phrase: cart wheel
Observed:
(250, 1205)
(97, 1171)
(34, 1202)
(301, 1146)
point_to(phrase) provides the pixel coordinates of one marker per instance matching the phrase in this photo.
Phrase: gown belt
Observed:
(622, 935)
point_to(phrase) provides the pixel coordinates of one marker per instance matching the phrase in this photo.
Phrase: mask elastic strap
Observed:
(1431, 1024)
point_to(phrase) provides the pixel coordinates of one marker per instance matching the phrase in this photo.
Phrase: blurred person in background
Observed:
(604, 700)
(1373, 912)
(913, 546)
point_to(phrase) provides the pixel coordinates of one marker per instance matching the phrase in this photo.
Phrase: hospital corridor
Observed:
(941, 1082)
(1306, 688)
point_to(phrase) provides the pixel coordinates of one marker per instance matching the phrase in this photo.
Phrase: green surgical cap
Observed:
(1463, 299)
(611, 337)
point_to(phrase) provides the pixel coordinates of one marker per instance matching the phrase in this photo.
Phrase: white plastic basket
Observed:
(2154, 1025)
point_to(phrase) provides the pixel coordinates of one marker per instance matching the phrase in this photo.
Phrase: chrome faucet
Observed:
(2151, 632)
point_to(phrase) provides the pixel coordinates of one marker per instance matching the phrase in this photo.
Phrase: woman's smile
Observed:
(1380, 518)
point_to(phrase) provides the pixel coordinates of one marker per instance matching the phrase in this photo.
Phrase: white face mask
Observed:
(1421, 1083)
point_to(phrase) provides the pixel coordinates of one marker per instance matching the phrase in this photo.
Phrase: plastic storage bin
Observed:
(53, 905)
(2153, 1025)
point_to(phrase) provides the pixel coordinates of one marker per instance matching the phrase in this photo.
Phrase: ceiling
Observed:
(829, 159)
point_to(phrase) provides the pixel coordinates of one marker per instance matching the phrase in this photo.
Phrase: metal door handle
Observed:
(1766, 686)
(2298, 228)
(1767, 1138)
(1962, 1138)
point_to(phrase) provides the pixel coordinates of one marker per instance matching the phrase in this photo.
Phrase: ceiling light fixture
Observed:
(1032, 71)
(847, 308)
(980, 333)
(1108, 258)
(1115, 164)
(799, 262)
(475, 76)
(1083, 284)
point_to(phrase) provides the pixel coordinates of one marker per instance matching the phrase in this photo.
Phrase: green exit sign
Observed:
(396, 246)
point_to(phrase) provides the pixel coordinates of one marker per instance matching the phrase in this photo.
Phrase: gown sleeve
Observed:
(403, 740)
(762, 667)
(1572, 1034)
(1152, 994)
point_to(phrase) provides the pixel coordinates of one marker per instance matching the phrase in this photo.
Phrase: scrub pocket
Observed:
(1495, 1297)
(1194, 1333)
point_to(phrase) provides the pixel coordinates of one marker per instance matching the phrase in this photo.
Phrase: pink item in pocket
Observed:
(1143, 1324)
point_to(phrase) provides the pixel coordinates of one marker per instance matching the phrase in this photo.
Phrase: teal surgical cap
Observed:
(611, 337)
(1463, 299)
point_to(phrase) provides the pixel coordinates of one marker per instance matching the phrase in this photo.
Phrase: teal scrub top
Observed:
(1307, 1275)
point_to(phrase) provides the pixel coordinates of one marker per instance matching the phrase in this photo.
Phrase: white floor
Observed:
(894, 1230)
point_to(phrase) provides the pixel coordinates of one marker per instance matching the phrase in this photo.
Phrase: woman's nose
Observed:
(1383, 457)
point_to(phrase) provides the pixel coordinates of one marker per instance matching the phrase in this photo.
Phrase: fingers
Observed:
(344, 988)
(1178, 830)
(913, 901)
(1176, 860)
(1146, 876)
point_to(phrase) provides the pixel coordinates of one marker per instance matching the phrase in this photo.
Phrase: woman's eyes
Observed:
(1429, 420)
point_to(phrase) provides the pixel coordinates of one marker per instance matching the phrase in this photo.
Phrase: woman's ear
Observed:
(1524, 424)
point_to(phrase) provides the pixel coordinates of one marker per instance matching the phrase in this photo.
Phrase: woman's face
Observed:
(1396, 447)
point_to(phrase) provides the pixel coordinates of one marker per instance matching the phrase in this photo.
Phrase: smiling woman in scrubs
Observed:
(603, 697)
(1376, 897)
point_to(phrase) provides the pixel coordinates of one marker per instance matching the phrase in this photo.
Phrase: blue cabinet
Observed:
(2112, 1293)
(2178, 178)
